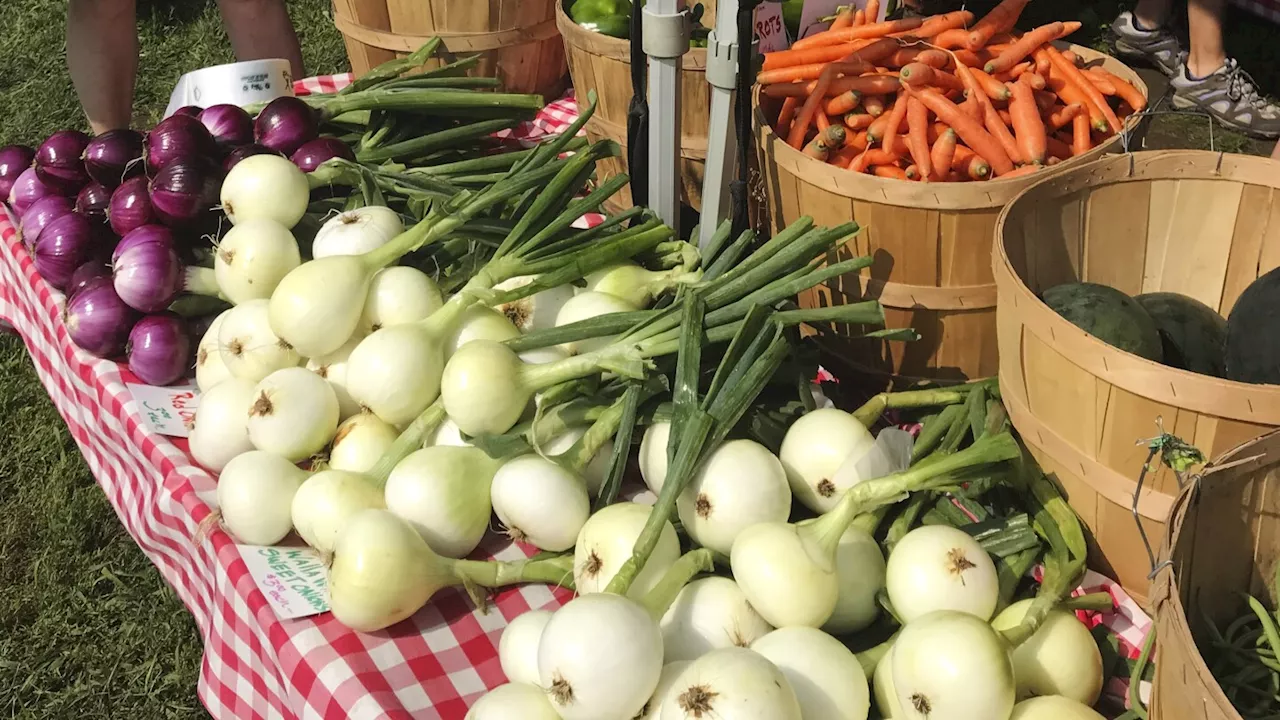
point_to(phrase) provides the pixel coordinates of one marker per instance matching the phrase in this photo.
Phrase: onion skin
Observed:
(244, 151)
(14, 159)
(92, 202)
(315, 153)
(40, 214)
(185, 191)
(97, 319)
(87, 273)
(159, 349)
(229, 125)
(285, 124)
(130, 207)
(114, 156)
(58, 162)
(148, 276)
(192, 110)
(27, 189)
(177, 137)
(142, 236)
(66, 244)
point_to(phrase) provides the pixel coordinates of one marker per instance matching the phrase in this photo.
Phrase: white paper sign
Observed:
(167, 410)
(770, 28)
(242, 83)
(293, 579)
(815, 10)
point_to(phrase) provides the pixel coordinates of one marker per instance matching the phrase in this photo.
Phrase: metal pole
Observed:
(722, 136)
(666, 40)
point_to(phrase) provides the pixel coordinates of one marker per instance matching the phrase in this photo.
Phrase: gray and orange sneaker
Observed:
(1230, 95)
(1158, 47)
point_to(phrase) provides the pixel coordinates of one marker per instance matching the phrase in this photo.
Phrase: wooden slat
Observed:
(1116, 211)
(1255, 228)
(1200, 227)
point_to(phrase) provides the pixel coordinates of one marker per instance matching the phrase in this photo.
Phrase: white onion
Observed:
(814, 448)
(785, 573)
(361, 440)
(542, 356)
(399, 295)
(356, 232)
(210, 370)
(255, 497)
(1053, 707)
(667, 680)
(249, 348)
(937, 567)
(600, 658)
(220, 431)
(605, 543)
(518, 647)
(653, 454)
(479, 323)
(731, 684)
(483, 388)
(252, 257)
(1061, 658)
(860, 572)
(294, 414)
(317, 307)
(827, 678)
(536, 312)
(709, 614)
(585, 306)
(444, 493)
(333, 368)
(950, 665)
(446, 433)
(327, 501)
(513, 701)
(596, 470)
(265, 187)
(395, 372)
(740, 484)
(882, 688)
(540, 503)
(630, 282)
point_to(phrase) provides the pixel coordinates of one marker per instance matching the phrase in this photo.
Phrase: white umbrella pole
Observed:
(666, 40)
(722, 136)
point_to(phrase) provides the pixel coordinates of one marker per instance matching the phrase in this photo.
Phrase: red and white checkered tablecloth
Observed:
(255, 665)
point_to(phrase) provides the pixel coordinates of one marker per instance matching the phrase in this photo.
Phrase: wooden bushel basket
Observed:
(1221, 541)
(932, 248)
(519, 39)
(1197, 223)
(603, 63)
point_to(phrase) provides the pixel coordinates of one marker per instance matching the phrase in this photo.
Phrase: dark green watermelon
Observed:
(1109, 315)
(1253, 343)
(1193, 334)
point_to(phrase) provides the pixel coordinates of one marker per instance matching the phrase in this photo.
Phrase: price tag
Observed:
(815, 10)
(167, 410)
(293, 579)
(770, 28)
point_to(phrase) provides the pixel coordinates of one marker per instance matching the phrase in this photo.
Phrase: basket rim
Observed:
(1129, 372)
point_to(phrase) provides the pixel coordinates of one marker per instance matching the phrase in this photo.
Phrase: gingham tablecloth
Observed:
(255, 665)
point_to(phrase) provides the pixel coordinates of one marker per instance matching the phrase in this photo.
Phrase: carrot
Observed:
(994, 89)
(1045, 100)
(1025, 45)
(973, 134)
(916, 74)
(893, 127)
(972, 107)
(1042, 62)
(878, 129)
(845, 16)
(1028, 128)
(971, 164)
(1075, 75)
(1005, 117)
(854, 63)
(827, 141)
(1059, 117)
(822, 120)
(1035, 80)
(870, 30)
(998, 125)
(889, 171)
(873, 11)
(1001, 17)
(860, 18)
(1057, 148)
(873, 104)
(857, 121)
(1124, 89)
(944, 22)
(1081, 141)
(943, 153)
(913, 172)
(877, 156)
(860, 164)
(1073, 58)
(989, 118)
(953, 39)
(1022, 171)
(929, 56)
(814, 70)
(843, 157)
(857, 141)
(918, 136)
(786, 115)
(866, 84)
(843, 103)
(791, 58)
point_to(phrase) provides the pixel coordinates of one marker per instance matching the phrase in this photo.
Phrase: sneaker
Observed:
(1158, 47)
(1230, 95)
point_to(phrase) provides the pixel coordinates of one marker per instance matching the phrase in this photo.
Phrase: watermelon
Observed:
(1192, 333)
(1253, 345)
(1109, 315)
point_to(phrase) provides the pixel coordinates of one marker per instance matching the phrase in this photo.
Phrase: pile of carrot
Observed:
(942, 98)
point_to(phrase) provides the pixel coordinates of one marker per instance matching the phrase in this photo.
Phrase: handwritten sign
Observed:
(293, 579)
(770, 28)
(167, 410)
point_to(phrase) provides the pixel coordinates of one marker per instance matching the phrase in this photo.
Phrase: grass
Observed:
(88, 629)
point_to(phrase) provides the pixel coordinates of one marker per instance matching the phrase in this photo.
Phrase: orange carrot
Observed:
(873, 104)
(973, 134)
(822, 120)
(1057, 148)
(843, 103)
(971, 59)
(866, 84)
(1035, 80)
(1045, 100)
(855, 62)
(870, 30)
(873, 11)
(913, 172)
(1081, 141)
(1104, 84)
(943, 153)
(857, 121)
(857, 141)
(893, 127)
(889, 171)
(953, 39)
(918, 136)
(859, 19)
(928, 56)
(972, 107)
(944, 22)
(971, 164)
(998, 125)
(916, 74)
(989, 118)
(786, 115)
(791, 58)
(843, 157)
(1042, 63)
(1022, 171)
(1005, 118)
(1061, 116)
(1001, 17)
(1074, 74)
(876, 133)
(994, 89)
(860, 163)
(845, 17)
(878, 156)
(1025, 45)
(810, 71)
(1028, 128)
(1124, 89)
(1072, 58)
(826, 142)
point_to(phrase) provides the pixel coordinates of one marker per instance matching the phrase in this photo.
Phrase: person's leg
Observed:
(102, 56)
(261, 29)
(1144, 34)
(1207, 54)
(1275, 153)
(1152, 14)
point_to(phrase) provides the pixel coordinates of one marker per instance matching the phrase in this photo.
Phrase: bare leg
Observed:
(261, 29)
(1207, 52)
(1275, 154)
(102, 55)
(1153, 14)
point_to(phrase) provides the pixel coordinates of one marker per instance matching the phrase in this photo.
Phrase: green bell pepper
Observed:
(610, 17)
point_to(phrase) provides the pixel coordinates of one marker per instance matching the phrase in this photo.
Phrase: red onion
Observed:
(93, 201)
(174, 138)
(130, 206)
(64, 245)
(58, 162)
(186, 191)
(114, 156)
(86, 273)
(285, 124)
(192, 110)
(243, 152)
(97, 319)
(314, 153)
(148, 276)
(229, 125)
(159, 349)
(13, 160)
(40, 214)
(26, 190)
(142, 236)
